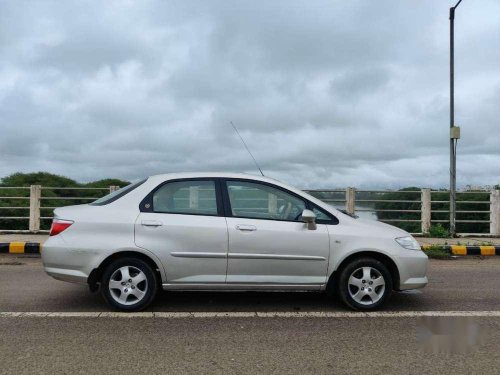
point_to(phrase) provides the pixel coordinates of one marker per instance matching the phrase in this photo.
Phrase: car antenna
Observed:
(244, 144)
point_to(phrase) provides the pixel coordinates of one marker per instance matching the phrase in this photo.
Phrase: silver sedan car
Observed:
(226, 231)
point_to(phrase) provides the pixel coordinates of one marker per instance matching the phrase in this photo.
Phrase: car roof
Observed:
(172, 176)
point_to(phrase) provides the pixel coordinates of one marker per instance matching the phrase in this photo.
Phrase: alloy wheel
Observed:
(366, 285)
(128, 285)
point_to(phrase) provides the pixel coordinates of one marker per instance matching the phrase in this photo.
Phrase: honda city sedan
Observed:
(226, 231)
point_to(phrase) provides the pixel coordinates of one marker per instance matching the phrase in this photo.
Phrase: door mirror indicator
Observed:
(309, 218)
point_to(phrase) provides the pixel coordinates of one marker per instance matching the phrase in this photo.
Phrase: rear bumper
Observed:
(63, 274)
(66, 263)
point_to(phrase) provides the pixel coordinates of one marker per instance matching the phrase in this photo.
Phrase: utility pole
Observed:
(454, 130)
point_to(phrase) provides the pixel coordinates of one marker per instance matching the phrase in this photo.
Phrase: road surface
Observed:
(247, 344)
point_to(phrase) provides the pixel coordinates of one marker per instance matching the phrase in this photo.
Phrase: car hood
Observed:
(382, 228)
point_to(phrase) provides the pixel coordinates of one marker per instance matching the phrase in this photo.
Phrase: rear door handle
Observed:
(246, 228)
(151, 223)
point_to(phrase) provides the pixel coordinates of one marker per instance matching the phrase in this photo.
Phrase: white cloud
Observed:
(326, 94)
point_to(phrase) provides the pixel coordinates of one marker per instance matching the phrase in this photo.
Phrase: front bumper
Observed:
(412, 267)
(414, 283)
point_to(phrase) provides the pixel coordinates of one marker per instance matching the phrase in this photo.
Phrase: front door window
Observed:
(260, 201)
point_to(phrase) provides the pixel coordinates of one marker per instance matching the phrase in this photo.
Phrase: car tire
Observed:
(129, 284)
(364, 284)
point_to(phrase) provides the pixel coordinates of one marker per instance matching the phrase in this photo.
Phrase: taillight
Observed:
(59, 225)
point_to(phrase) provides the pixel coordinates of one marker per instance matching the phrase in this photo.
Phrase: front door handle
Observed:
(246, 228)
(151, 223)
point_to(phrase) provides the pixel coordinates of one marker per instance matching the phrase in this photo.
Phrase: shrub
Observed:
(437, 252)
(438, 231)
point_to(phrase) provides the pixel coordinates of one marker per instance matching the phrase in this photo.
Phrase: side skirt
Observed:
(243, 287)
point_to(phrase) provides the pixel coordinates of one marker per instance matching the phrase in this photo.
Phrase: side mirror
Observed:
(309, 218)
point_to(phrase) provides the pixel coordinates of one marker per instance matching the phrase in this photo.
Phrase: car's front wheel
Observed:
(129, 284)
(364, 284)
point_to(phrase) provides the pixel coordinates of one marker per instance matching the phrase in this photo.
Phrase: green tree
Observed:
(37, 178)
(107, 182)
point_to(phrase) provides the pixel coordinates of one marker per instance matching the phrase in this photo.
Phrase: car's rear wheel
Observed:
(364, 284)
(129, 284)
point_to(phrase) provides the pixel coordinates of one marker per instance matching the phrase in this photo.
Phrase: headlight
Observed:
(408, 242)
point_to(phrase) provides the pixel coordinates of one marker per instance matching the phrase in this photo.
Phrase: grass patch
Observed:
(438, 231)
(437, 252)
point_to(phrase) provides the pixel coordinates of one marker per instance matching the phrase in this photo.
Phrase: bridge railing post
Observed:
(495, 212)
(350, 200)
(34, 219)
(426, 210)
(194, 197)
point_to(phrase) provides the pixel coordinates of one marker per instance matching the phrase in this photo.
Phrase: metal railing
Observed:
(418, 210)
(36, 215)
(29, 209)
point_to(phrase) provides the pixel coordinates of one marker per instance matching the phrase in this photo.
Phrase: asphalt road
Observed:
(471, 284)
(341, 345)
(233, 345)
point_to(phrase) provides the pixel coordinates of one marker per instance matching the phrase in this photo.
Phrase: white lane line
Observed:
(312, 314)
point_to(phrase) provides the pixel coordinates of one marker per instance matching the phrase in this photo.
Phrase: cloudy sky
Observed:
(325, 93)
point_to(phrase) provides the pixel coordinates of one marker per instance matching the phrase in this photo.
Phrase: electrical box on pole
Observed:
(455, 132)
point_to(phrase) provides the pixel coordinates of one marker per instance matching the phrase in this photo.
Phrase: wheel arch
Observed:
(384, 258)
(96, 274)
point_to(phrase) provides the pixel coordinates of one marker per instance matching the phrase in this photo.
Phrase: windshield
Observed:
(111, 197)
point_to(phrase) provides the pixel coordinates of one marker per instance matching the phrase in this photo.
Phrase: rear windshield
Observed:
(117, 194)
